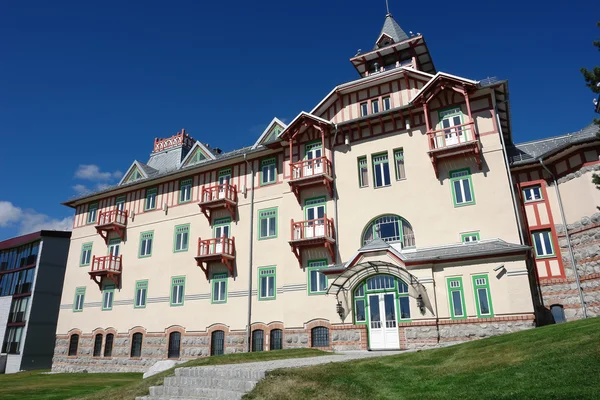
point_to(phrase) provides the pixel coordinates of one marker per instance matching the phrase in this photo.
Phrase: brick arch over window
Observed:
(317, 325)
(71, 337)
(390, 228)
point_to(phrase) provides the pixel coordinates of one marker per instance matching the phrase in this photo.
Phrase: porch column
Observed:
(469, 112)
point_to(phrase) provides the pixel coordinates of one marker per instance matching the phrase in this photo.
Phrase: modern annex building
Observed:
(397, 213)
(32, 269)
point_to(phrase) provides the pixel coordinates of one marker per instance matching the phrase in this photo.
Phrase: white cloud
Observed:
(92, 172)
(27, 220)
(80, 189)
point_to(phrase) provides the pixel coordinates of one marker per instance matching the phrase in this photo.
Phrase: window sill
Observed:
(545, 256)
(267, 183)
(180, 251)
(472, 203)
(317, 293)
(267, 238)
(380, 187)
(266, 299)
(148, 256)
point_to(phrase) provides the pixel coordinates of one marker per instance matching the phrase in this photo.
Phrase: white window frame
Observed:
(544, 251)
(364, 109)
(531, 190)
(378, 161)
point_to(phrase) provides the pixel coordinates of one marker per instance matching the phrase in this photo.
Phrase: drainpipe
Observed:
(437, 315)
(564, 221)
(335, 205)
(249, 332)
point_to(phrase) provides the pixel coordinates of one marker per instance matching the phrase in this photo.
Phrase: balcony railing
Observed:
(452, 136)
(112, 217)
(216, 247)
(314, 228)
(307, 168)
(106, 264)
(223, 191)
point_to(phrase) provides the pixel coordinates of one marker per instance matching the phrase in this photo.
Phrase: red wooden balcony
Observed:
(312, 233)
(458, 140)
(316, 171)
(223, 196)
(216, 250)
(106, 267)
(113, 220)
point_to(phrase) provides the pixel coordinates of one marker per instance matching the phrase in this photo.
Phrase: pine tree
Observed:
(592, 80)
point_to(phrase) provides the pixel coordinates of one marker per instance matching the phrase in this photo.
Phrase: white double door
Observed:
(221, 231)
(316, 166)
(223, 181)
(452, 132)
(383, 322)
(315, 225)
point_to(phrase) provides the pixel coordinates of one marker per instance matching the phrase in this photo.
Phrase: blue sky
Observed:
(85, 87)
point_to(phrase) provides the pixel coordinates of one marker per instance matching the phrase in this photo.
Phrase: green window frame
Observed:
(120, 202)
(221, 222)
(462, 187)
(399, 164)
(197, 157)
(146, 242)
(85, 258)
(483, 296)
(79, 299)
(267, 283)
(470, 237)
(185, 191)
(92, 213)
(381, 170)
(150, 203)
(542, 242)
(108, 295)
(181, 238)
(177, 291)
(456, 298)
(317, 281)
(449, 114)
(219, 289)
(141, 294)
(363, 172)
(360, 305)
(267, 223)
(268, 171)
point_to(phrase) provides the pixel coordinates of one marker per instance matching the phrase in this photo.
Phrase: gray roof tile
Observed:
(392, 29)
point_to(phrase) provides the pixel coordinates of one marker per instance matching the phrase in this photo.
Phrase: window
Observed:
(134, 175)
(266, 283)
(532, 193)
(317, 282)
(469, 237)
(450, 121)
(224, 176)
(12, 340)
(542, 241)
(141, 293)
(73, 344)
(381, 170)
(136, 345)
(146, 239)
(92, 212)
(380, 282)
(276, 342)
(258, 340)
(363, 173)
(177, 290)
(462, 187)
(114, 247)
(120, 202)
(219, 288)
(182, 238)
(359, 311)
(391, 229)
(267, 223)
(319, 336)
(174, 345)
(185, 191)
(456, 298)
(107, 297)
(98, 345)
(86, 255)
(79, 297)
(403, 299)
(217, 343)
(197, 157)
(108, 345)
(387, 104)
(364, 109)
(268, 171)
(483, 298)
(150, 199)
(399, 164)
(375, 106)
(558, 313)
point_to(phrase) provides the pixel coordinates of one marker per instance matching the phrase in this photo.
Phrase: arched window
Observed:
(391, 229)
(108, 345)
(73, 344)
(136, 345)
(217, 343)
(276, 342)
(319, 336)
(98, 345)
(558, 313)
(377, 284)
(174, 345)
(258, 340)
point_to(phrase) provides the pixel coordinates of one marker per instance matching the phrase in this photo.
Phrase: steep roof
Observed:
(392, 30)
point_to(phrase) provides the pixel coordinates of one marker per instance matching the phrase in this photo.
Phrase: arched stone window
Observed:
(217, 343)
(276, 342)
(73, 344)
(258, 340)
(136, 344)
(558, 313)
(108, 345)
(98, 345)
(174, 345)
(391, 229)
(319, 336)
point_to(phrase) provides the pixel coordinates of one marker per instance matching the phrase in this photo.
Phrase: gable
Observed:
(197, 154)
(133, 175)
(271, 133)
(384, 40)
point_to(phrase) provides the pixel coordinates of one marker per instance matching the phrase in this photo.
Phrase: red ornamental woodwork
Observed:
(106, 267)
(220, 249)
(112, 221)
(181, 138)
(316, 171)
(318, 232)
(223, 196)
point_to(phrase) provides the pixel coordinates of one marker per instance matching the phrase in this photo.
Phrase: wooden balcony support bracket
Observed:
(106, 267)
(297, 252)
(115, 277)
(296, 191)
(113, 220)
(331, 249)
(206, 211)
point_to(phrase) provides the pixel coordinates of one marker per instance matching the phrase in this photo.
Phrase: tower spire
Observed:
(387, 6)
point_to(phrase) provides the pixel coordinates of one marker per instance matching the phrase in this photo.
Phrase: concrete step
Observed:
(181, 392)
(231, 373)
(235, 384)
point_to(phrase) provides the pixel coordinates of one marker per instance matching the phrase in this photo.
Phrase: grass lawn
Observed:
(118, 386)
(553, 362)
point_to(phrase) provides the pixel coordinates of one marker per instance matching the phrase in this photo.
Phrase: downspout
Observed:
(437, 315)
(249, 331)
(335, 204)
(564, 221)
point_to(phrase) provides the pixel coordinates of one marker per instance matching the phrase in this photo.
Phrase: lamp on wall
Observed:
(407, 124)
(340, 310)
(421, 304)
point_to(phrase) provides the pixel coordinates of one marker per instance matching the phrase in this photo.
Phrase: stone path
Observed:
(232, 381)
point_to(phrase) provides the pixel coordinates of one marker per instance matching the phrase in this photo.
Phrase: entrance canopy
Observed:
(348, 278)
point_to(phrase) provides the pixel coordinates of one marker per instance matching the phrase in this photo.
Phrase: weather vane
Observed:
(387, 6)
